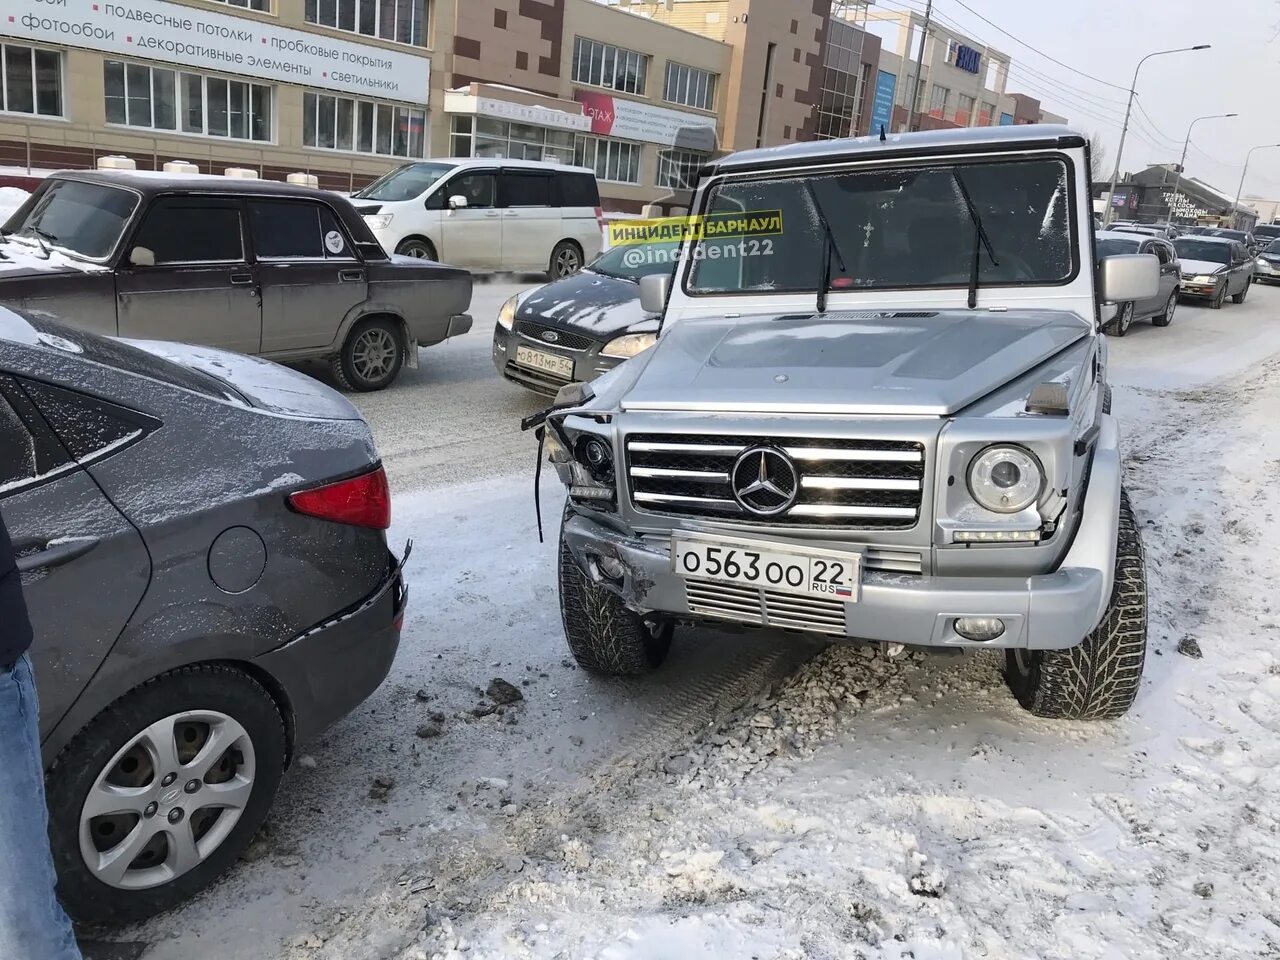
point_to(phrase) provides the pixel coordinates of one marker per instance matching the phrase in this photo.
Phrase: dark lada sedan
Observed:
(201, 539)
(257, 267)
(578, 327)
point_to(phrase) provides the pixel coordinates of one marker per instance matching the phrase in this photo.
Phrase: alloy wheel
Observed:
(373, 355)
(567, 262)
(1170, 308)
(167, 800)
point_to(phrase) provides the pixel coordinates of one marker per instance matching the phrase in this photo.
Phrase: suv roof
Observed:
(503, 162)
(925, 143)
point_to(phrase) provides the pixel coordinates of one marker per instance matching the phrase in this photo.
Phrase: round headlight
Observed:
(1005, 479)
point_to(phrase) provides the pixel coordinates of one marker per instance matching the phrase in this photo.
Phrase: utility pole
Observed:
(1235, 210)
(1177, 181)
(917, 93)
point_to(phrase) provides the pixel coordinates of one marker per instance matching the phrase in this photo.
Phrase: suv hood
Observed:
(921, 363)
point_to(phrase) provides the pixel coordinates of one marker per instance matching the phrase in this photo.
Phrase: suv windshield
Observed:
(1273, 247)
(1267, 231)
(404, 183)
(1206, 250)
(1230, 235)
(635, 261)
(80, 218)
(890, 228)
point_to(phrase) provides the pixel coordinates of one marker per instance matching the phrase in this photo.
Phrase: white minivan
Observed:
(488, 214)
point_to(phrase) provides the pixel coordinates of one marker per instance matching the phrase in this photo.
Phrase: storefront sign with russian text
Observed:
(615, 117)
(206, 39)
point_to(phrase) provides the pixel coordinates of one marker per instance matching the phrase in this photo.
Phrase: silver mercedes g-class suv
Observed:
(877, 411)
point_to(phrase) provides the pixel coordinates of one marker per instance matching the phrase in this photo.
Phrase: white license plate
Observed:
(561, 367)
(834, 577)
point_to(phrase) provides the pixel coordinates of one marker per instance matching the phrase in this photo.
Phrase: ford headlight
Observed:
(507, 315)
(629, 345)
(1005, 479)
(378, 221)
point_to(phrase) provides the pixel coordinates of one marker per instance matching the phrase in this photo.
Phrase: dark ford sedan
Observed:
(257, 267)
(579, 327)
(201, 539)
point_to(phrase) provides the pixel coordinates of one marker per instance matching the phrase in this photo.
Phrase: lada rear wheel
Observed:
(371, 357)
(604, 636)
(1097, 679)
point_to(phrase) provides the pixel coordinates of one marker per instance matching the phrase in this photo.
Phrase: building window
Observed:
(964, 109)
(404, 21)
(616, 160)
(602, 65)
(844, 80)
(263, 5)
(30, 80)
(986, 115)
(678, 169)
(158, 99)
(938, 98)
(487, 137)
(364, 126)
(690, 86)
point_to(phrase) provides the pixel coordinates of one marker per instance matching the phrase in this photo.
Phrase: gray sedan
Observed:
(201, 538)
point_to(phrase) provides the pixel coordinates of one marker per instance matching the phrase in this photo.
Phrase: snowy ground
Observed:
(759, 797)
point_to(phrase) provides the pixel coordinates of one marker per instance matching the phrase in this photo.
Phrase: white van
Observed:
(488, 214)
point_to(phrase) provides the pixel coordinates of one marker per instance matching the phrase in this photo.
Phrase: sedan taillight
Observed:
(362, 501)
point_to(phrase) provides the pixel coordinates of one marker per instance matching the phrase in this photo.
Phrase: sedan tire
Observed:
(1239, 297)
(162, 792)
(1122, 322)
(371, 357)
(1219, 297)
(1164, 318)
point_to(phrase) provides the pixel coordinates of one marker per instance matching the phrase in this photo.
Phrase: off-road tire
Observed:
(1106, 398)
(206, 687)
(1239, 297)
(1097, 679)
(1165, 318)
(345, 370)
(603, 635)
(1120, 324)
(418, 248)
(566, 260)
(1219, 298)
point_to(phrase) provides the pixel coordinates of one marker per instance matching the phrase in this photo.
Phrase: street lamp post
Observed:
(1235, 211)
(1124, 131)
(1177, 182)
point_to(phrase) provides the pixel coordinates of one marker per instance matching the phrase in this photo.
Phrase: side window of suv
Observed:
(520, 189)
(192, 230)
(296, 230)
(1162, 252)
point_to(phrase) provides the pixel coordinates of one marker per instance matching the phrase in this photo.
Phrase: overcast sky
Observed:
(1106, 38)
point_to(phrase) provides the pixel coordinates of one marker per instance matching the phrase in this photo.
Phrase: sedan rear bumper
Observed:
(332, 668)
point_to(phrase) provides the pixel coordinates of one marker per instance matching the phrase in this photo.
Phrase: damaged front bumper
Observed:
(1043, 612)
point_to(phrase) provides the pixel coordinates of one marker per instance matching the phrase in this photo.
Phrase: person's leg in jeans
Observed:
(32, 924)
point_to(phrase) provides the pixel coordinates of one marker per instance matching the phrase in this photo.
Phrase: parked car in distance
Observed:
(201, 538)
(1214, 268)
(894, 428)
(1196, 231)
(1166, 231)
(257, 267)
(1240, 236)
(1268, 265)
(488, 214)
(1161, 307)
(581, 326)
(1264, 233)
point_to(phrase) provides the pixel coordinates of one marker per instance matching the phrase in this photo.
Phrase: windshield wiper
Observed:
(829, 246)
(41, 236)
(980, 234)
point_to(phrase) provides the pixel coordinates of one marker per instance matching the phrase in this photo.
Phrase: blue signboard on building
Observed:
(882, 104)
(1006, 119)
(964, 58)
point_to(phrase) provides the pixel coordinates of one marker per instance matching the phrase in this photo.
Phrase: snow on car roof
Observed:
(904, 144)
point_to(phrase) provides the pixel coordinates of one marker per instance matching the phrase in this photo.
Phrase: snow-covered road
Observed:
(861, 808)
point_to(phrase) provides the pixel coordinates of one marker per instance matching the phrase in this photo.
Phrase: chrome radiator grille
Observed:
(873, 484)
(769, 608)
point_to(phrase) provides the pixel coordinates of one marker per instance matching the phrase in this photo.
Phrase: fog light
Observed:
(996, 536)
(980, 629)
(611, 567)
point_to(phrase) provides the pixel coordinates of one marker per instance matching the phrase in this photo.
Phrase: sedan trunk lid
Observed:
(931, 363)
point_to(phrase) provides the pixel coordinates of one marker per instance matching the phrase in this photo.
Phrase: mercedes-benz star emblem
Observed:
(551, 336)
(765, 481)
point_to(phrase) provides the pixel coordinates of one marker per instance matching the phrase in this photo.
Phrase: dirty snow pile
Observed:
(11, 198)
(909, 809)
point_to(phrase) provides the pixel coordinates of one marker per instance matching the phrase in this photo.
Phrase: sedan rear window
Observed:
(81, 218)
(1114, 246)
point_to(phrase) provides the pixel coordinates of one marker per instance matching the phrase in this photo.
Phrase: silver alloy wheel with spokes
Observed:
(568, 261)
(373, 355)
(416, 249)
(167, 799)
(1125, 320)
